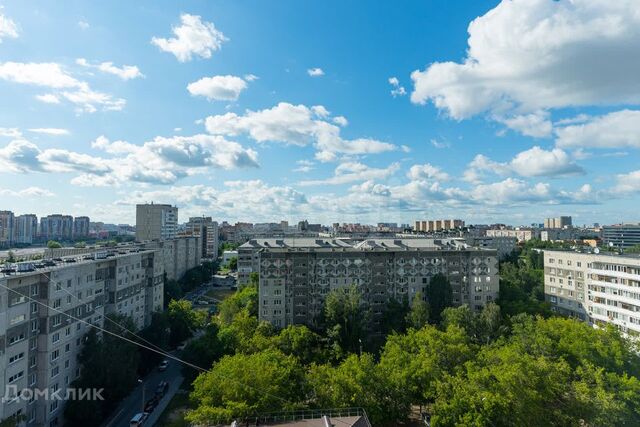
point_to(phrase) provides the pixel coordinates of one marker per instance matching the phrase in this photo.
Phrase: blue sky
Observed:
(332, 111)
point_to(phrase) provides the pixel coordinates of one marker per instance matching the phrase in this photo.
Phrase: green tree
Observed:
(158, 333)
(418, 315)
(202, 352)
(394, 316)
(439, 296)
(356, 382)
(52, 244)
(241, 386)
(106, 362)
(415, 361)
(346, 318)
(183, 321)
(244, 299)
(233, 263)
(11, 257)
(303, 344)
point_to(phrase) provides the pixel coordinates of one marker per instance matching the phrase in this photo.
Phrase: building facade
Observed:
(46, 310)
(56, 227)
(429, 226)
(156, 222)
(208, 231)
(7, 231)
(558, 222)
(596, 288)
(296, 274)
(81, 226)
(621, 236)
(521, 234)
(26, 228)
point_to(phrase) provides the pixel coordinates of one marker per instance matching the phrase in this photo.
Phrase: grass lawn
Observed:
(220, 294)
(172, 416)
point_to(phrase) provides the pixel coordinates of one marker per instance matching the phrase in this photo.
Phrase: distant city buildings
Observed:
(56, 227)
(430, 226)
(559, 222)
(156, 222)
(296, 274)
(599, 288)
(208, 230)
(81, 227)
(26, 229)
(6, 228)
(621, 236)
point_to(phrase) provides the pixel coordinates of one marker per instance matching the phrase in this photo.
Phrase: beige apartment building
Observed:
(297, 274)
(156, 222)
(44, 311)
(597, 288)
(430, 226)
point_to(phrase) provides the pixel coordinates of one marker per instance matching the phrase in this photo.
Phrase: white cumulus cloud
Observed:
(126, 72)
(8, 28)
(218, 88)
(193, 37)
(620, 129)
(315, 72)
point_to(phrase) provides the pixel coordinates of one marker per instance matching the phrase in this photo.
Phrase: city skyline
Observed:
(504, 112)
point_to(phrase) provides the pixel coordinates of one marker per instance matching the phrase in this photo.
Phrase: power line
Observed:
(168, 355)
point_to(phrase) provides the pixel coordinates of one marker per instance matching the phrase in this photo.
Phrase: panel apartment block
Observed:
(596, 288)
(46, 309)
(297, 274)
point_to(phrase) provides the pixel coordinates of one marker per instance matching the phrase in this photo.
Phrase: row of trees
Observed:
(471, 369)
(176, 289)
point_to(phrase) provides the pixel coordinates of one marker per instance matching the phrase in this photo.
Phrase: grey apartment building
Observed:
(156, 222)
(43, 310)
(621, 236)
(597, 288)
(297, 274)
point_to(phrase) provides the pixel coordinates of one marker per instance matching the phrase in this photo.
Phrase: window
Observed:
(15, 358)
(55, 337)
(54, 355)
(16, 376)
(55, 371)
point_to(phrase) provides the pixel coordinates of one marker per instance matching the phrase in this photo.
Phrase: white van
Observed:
(138, 419)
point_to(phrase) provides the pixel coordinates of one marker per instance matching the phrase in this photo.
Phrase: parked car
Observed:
(162, 388)
(163, 365)
(138, 419)
(151, 404)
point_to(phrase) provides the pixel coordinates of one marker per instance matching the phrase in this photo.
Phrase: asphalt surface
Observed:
(133, 403)
(173, 375)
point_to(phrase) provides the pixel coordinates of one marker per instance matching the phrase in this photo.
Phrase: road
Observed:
(133, 403)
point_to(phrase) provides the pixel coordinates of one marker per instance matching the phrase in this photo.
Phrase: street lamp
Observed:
(142, 382)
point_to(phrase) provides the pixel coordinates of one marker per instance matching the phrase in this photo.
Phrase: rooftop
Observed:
(404, 244)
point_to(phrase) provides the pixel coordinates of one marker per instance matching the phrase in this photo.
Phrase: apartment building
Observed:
(44, 311)
(7, 231)
(26, 228)
(156, 222)
(521, 234)
(595, 287)
(503, 245)
(56, 227)
(621, 236)
(297, 274)
(207, 229)
(558, 222)
(81, 226)
(430, 226)
(177, 255)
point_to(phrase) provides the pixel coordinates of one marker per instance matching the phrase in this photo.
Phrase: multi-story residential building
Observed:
(207, 229)
(81, 226)
(599, 288)
(503, 245)
(26, 228)
(522, 234)
(430, 226)
(7, 232)
(156, 222)
(296, 274)
(558, 222)
(621, 236)
(56, 227)
(177, 255)
(45, 311)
